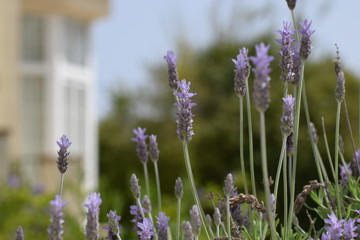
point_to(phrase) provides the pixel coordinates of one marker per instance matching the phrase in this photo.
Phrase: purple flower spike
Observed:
(135, 188)
(20, 234)
(154, 149)
(305, 46)
(141, 147)
(146, 229)
(296, 64)
(229, 185)
(195, 220)
(162, 225)
(63, 154)
(242, 71)
(185, 116)
(188, 235)
(113, 228)
(56, 228)
(172, 71)
(287, 119)
(350, 230)
(334, 229)
(286, 53)
(92, 225)
(261, 61)
(135, 211)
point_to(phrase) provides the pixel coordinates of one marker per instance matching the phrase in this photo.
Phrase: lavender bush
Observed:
(242, 213)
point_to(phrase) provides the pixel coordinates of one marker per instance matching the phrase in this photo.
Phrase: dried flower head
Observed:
(261, 95)
(135, 188)
(195, 220)
(178, 188)
(305, 45)
(92, 224)
(185, 116)
(145, 229)
(172, 71)
(56, 229)
(291, 4)
(153, 148)
(141, 147)
(162, 225)
(63, 154)
(242, 71)
(249, 199)
(286, 53)
(301, 197)
(287, 119)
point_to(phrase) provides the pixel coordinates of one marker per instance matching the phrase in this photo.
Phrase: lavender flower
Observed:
(296, 64)
(286, 53)
(145, 229)
(287, 119)
(208, 220)
(188, 233)
(153, 148)
(217, 217)
(92, 225)
(20, 234)
(135, 211)
(261, 61)
(229, 185)
(195, 220)
(113, 228)
(135, 188)
(242, 71)
(185, 116)
(334, 230)
(350, 230)
(178, 188)
(63, 154)
(146, 203)
(340, 88)
(172, 72)
(291, 4)
(162, 225)
(290, 145)
(305, 46)
(141, 147)
(56, 229)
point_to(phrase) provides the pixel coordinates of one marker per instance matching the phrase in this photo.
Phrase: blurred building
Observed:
(47, 87)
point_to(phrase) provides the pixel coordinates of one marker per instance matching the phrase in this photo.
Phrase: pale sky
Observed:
(137, 33)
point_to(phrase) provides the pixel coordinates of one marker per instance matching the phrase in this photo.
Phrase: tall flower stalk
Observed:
(62, 161)
(261, 98)
(185, 132)
(141, 150)
(242, 71)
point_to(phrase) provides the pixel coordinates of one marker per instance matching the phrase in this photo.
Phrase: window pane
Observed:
(76, 41)
(32, 38)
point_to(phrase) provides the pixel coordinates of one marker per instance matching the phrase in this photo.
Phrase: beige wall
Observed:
(9, 81)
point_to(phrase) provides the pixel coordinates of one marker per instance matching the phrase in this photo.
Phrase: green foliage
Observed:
(20, 206)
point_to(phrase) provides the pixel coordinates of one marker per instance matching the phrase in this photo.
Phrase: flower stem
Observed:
(280, 164)
(178, 219)
(337, 158)
(192, 185)
(327, 148)
(251, 149)
(266, 176)
(242, 163)
(228, 217)
(157, 185)
(61, 183)
(146, 179)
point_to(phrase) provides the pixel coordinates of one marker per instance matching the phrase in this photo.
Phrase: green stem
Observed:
(242, 162)
(157, 185)
(193, 188)
(178, 218)
(146, 179)
(337, 158)
(327, 147)
(266, 176)
(280, 164)
(285, 185)
(140, 208)
(228, 217)
(251, 148)
(61, 183)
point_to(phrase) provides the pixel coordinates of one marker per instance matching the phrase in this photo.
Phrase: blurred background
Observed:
(94, 70)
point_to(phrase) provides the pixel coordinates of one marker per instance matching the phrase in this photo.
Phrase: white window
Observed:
(75, 116)
(33, 38)
(76, 41)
